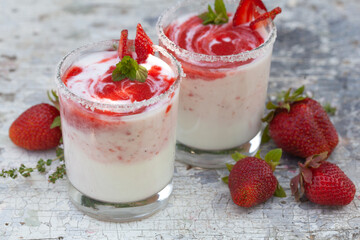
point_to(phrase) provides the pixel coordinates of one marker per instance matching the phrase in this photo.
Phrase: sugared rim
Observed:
(181, 52)
(115, 107)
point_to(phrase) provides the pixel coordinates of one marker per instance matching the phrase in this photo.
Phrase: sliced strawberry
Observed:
(122, 49)
(247, 11)
(143, 44)
(260, 20)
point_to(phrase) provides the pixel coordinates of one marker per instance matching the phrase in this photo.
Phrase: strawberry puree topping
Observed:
(91, 78)
(224, 39)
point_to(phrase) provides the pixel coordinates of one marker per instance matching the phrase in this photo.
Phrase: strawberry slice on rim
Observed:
(247, 11)
(260, 20)
(143, 44)
(123, 42)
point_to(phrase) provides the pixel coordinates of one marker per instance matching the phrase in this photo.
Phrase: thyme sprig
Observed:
(41, 167)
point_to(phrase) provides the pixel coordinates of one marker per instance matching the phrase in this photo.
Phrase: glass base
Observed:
(120, 212)
(215, 159)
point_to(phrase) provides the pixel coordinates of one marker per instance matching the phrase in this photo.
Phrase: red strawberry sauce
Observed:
(91, 79)
(224, 39)
(106, 88)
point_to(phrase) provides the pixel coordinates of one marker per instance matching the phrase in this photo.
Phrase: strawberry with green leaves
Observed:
(300, 125)
(322, 182)
(38, 128)
(251, 180)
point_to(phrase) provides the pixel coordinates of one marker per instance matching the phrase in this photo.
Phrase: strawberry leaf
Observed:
(268, 117)
(306, 174)
(238, 156)
(315, 160)
(271, 106)
(330, 110)
(287, 95)
(56, 122)
(257, 155)
(265, 136)
(298, 92)
(294, 185)
(225, 179)
(279, 192)
(273, 157)
(229, 166)
(285, 105)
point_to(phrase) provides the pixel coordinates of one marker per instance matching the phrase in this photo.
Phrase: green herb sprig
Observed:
(129, 68)
(41, 167)
(219, 16)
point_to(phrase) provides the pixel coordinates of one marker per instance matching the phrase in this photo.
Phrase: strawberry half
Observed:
(247, 11)
(260, 20)
(143, 44)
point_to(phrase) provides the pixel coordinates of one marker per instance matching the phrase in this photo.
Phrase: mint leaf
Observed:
(141, 74)
(129, 68)
(220, 7)
(218, 17)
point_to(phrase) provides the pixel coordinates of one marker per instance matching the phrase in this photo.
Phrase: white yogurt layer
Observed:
(226, 112)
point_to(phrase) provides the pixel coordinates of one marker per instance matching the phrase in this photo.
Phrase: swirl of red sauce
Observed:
(215, 40)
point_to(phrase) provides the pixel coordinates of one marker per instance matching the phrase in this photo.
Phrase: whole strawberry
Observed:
(323, 182)
(251, 180)
(32, 129)
(300, 126)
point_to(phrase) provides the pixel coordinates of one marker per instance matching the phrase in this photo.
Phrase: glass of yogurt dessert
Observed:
(119, 136)
(223, 94)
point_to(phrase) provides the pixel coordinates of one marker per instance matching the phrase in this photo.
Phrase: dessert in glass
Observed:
(223, 94)
(119, 135)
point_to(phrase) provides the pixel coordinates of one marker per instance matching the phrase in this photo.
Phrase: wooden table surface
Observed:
(318, 45)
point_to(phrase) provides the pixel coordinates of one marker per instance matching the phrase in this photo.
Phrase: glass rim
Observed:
(181, 52)
(115, 107)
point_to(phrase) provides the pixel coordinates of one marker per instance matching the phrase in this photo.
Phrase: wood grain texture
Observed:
(318, 45)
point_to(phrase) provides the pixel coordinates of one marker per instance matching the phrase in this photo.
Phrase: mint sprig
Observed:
(129, 68)
(218, 17)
